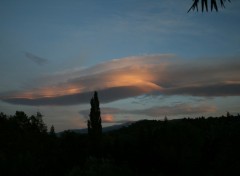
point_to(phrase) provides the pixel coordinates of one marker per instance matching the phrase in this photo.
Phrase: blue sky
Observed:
(147, 58)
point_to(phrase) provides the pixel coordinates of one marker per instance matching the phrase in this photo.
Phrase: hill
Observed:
(104, 129)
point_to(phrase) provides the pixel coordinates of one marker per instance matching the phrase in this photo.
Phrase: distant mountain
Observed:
(105, 129)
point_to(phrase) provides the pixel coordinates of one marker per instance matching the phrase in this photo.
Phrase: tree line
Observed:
(199, 146)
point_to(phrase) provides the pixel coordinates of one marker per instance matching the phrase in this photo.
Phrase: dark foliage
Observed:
(95, 123)
(95, 127)
(200, 146)
(204, 5)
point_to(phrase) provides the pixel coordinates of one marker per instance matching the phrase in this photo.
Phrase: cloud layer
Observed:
(133, 76)
(108, 114)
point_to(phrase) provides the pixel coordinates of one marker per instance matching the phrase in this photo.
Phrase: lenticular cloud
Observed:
(133, 76)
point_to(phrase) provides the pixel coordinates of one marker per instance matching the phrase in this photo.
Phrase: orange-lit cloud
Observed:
(133, 76)
(107, 118)
(127, 72)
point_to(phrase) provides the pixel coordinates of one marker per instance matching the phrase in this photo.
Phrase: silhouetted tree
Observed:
(52, 131)
(165, 119)
(38, 122)
(95, 122)
(204, 4)
(3, 120)
(21, 120)
(3, 117)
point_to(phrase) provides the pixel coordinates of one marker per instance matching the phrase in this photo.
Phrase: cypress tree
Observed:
(52, 131)
(95, 122)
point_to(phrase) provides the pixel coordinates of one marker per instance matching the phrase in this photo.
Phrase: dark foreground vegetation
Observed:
(201, 146)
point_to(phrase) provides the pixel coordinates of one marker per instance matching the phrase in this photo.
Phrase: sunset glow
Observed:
(146, 59)
(107, 118)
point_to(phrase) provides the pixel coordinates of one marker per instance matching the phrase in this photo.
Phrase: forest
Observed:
(188, 146)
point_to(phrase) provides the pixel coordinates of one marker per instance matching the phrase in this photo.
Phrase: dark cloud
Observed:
(106, 96)
(60, 100)
(36, 59)
(206, 90)
(179, 109)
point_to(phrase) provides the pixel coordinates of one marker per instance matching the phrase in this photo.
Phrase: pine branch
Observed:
(204, 4)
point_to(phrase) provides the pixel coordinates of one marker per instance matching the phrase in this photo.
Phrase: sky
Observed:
(148, 59)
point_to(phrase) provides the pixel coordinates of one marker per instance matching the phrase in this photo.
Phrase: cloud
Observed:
(133, 76)
(104, 111)
(221, 89)
(106, 96)
(179, 109)
(35, 59)
(107, 118)
(156, 112)
(107, 115)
